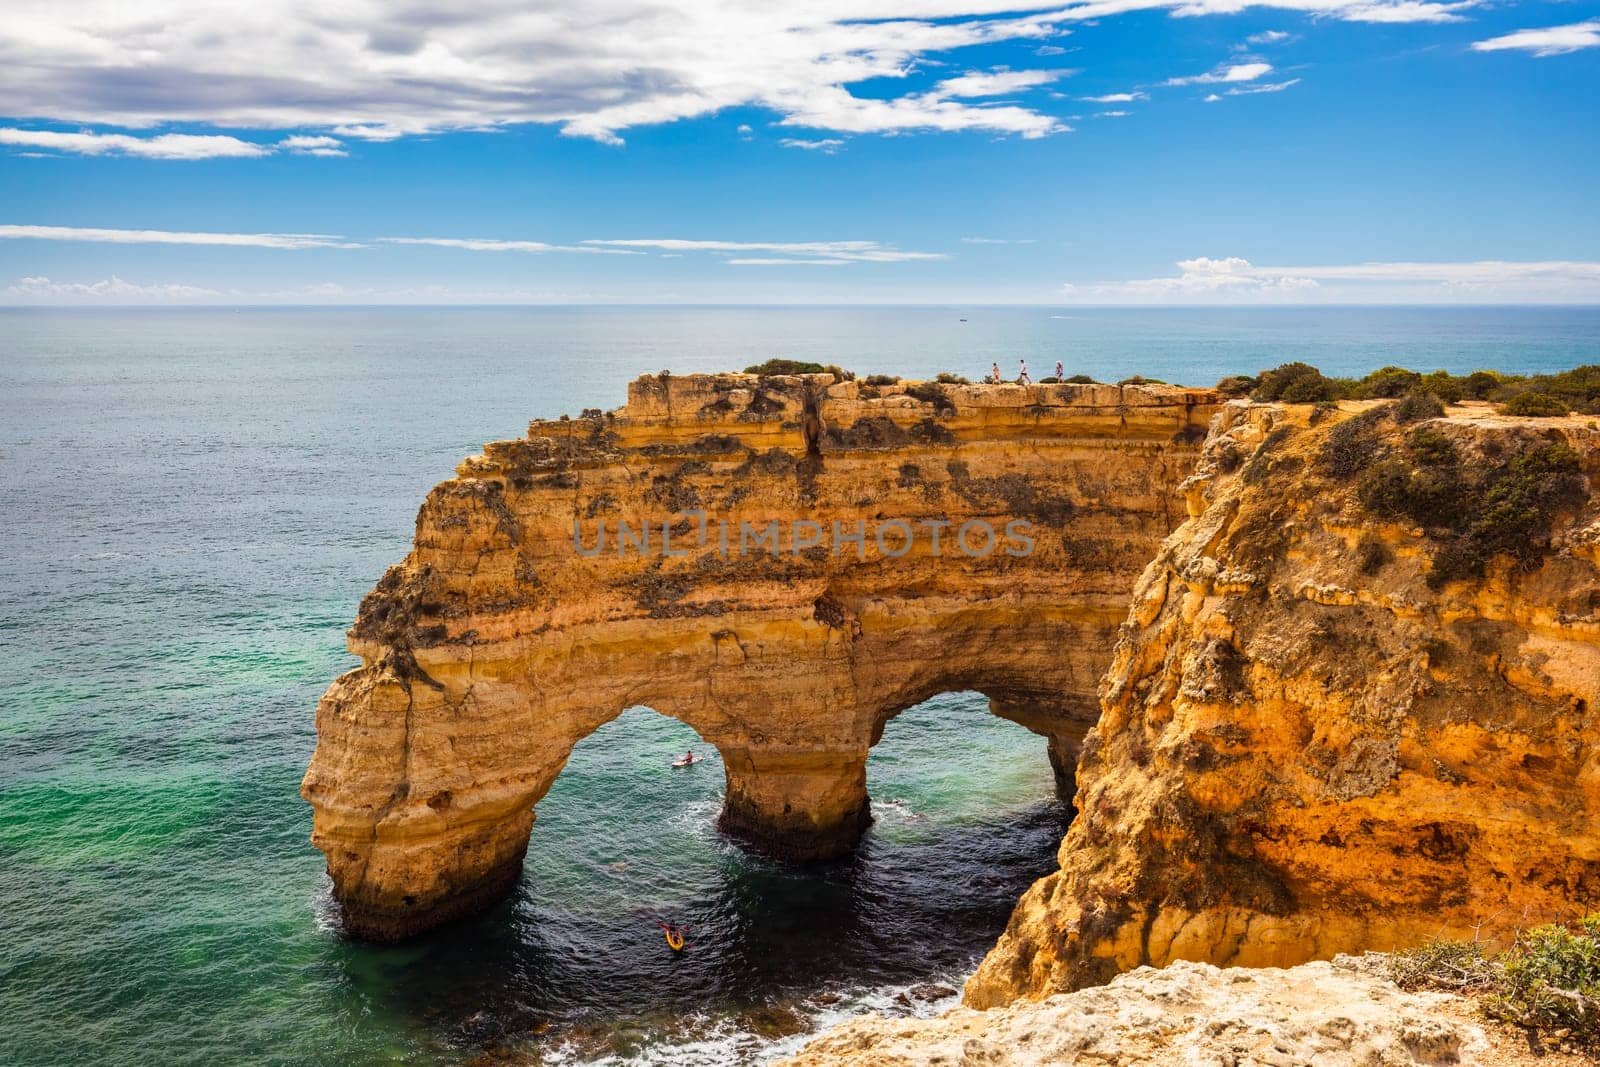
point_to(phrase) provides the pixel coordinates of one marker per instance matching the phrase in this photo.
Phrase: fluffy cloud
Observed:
(377, 70)
(1115, 98)
(995, 83)
(166, 145)
(1236, 280)
(172, 237)
(1555, 41)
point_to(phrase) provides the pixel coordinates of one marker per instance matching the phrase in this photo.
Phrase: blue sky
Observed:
(897, 151)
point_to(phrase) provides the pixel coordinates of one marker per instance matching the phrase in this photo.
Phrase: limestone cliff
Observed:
(1353, 705)
(784, 563)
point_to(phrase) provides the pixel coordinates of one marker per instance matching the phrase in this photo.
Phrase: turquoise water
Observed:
(191, 505)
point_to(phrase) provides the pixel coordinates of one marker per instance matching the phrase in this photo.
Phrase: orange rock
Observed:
(502, 640)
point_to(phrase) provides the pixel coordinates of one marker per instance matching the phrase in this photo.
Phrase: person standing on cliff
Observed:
(1022, 378)
(1060, 371)
(994, 374)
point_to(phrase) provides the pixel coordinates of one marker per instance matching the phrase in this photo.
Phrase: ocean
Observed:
(193, 502)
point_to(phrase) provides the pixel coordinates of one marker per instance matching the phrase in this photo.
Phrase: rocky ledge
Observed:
(1327, 1014)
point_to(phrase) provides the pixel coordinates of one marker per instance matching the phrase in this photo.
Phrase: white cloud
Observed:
(1112, 114)
(163, 146)
(1252, 90)
(1116, 98)
(171, 237)
(166, 145)
(375, 70)
(995, 83)
(484, 244)
(1236, 280)
(832, 251)
(1234, 72)
(114, 289)
(1554, 41)
(313, 146)
(827, 145)
(1264, 38)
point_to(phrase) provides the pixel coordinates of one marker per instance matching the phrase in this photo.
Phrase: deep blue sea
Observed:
(192, 503)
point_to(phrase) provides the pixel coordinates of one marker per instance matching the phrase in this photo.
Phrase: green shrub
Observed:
(1236, 385)
(1535, 405)
(1052, 380)
(882, 379)
(1432, 448)
(774, 367)
(1082, 379)
(1386, 383)
(1270, 385)
(1139, 379)
(1416, 407)
(1550, 981)
(1479, 384)
(1475, 514)
(1445, 386)
(1352, 444)
(950, 379)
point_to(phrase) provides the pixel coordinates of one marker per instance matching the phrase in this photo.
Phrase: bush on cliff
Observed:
(1295, 383)
(1474, 512)
(1535, 405)
(1548, 982)
(1352, 444)
(1387, 383)
(1236, 385)
(1417, 406)
(774, 367)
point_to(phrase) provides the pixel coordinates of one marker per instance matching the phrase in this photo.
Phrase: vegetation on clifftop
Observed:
(773, 367)
(1472, 509)
(1548, 981)
(1533, 395)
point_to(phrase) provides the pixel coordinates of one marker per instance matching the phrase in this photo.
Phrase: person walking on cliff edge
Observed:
(994, 374)
(1022, 378)
(1060, 372)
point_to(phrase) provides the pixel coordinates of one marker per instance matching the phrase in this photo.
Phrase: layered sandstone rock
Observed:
(507, 635)
(1321, 732)
(1188, 1013)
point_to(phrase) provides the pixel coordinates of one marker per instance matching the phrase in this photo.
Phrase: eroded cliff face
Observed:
(505, 637)
(1323, 729)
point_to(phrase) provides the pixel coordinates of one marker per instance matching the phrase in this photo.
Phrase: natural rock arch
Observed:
(509, 633)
